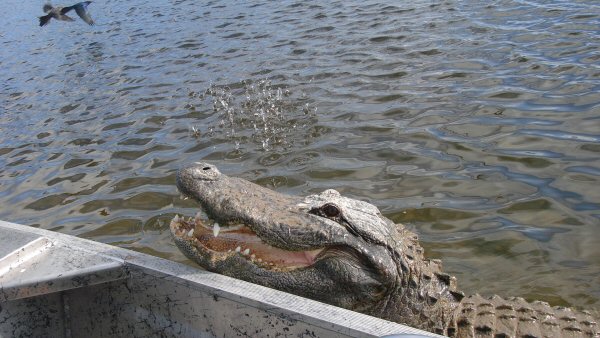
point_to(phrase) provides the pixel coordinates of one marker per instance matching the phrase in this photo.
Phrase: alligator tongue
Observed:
(242, 239)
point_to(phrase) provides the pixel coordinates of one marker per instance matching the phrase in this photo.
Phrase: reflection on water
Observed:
(475, 123)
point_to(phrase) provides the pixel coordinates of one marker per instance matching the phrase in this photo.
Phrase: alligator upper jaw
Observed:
(214, 243)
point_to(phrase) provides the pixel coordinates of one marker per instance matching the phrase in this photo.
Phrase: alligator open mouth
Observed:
(238, 239)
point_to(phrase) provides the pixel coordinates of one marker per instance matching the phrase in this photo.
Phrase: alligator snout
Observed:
(199, 171)
(198, 178)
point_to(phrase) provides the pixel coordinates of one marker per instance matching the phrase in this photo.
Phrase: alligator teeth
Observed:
(252, 257)
(246, 252)
(302, 205)
(216, 229)
(198, 217)
(238, 249)
(176, 218)
(183, 197)
(233, 227)
(190, 233)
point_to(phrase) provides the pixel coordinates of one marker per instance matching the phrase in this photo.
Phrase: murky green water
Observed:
(475, 123)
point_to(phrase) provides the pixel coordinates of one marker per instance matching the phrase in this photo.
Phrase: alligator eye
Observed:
(330, 210)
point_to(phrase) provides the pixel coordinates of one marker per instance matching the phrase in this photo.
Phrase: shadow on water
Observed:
(477, 124)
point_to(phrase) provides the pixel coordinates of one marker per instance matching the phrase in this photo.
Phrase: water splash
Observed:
(259, 115)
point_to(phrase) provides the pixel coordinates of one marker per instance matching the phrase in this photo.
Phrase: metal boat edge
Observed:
(57, 285)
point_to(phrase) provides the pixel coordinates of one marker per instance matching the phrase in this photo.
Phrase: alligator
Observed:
(344, 252)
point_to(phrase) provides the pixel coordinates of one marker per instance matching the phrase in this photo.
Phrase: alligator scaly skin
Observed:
(368, 263)
(495, 316)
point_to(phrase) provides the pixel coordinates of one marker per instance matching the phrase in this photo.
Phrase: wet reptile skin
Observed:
(368, 263)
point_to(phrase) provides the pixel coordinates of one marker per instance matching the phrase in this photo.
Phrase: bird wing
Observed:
(83, 14)
(45, 19)
(80, 9)
(64, 17)
(65, 10)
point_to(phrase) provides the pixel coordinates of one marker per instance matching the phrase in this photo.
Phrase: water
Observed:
(477, 124)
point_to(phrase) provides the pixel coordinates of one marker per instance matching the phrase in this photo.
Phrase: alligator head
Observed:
(326, 247)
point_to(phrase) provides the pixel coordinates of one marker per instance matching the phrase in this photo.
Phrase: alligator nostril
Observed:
(330, 210)
(200, 171)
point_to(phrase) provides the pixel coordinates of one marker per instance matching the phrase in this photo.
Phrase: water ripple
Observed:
(476, 123)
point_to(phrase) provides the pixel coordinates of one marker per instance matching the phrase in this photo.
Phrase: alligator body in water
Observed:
(343, 252)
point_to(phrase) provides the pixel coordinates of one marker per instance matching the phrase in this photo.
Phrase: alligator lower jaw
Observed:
(223, 242)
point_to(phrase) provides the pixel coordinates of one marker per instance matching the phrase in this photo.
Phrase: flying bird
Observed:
(60, 13)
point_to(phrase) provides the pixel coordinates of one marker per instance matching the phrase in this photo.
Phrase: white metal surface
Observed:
(56, 285)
